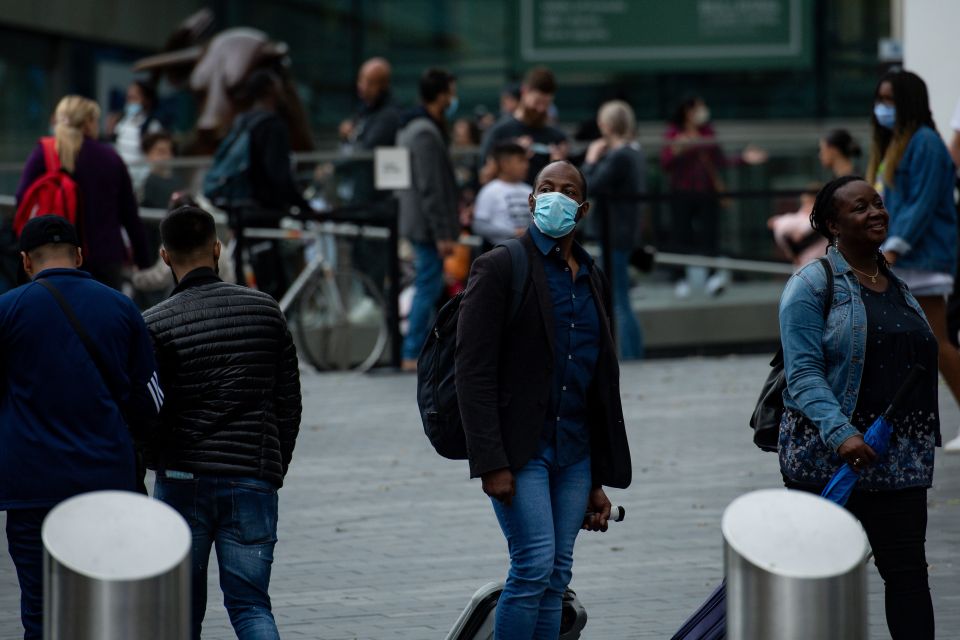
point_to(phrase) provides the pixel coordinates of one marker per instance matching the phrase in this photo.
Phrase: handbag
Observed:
(101, 366)
(766, 417)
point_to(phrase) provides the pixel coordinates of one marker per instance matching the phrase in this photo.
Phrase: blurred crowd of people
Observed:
(472, 176)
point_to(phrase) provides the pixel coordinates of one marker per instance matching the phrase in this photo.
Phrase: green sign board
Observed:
(665, 35)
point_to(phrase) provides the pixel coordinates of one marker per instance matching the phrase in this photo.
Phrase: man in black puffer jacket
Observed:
(229, 370)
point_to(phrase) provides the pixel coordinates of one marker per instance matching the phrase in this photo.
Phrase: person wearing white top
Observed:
(137, 122)
(502, 209)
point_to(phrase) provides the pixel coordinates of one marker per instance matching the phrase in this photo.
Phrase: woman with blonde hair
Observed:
(912, 170)
(615, 166)
(107, 205)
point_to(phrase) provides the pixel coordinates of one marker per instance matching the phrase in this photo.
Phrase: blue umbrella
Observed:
(877, 436)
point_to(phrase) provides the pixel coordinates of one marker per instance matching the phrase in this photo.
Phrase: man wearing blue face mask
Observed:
(538, 389)
(428, 209)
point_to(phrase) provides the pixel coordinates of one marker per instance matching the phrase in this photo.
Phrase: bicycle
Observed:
(337, 313)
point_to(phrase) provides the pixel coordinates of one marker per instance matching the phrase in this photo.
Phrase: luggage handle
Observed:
(617, 514)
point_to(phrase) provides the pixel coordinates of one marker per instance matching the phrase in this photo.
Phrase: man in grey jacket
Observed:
(428, 210)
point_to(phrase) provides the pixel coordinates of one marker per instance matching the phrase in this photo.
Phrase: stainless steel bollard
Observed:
(796, 568)
(116, 566)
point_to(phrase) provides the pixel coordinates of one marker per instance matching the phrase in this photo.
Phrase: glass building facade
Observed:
(487, 43)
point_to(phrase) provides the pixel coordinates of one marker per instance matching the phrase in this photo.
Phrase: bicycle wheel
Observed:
(341, 321)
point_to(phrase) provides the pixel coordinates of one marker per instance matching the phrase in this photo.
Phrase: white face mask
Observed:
(700, 115)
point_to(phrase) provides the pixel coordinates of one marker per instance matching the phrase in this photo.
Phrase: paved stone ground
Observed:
(382, 539)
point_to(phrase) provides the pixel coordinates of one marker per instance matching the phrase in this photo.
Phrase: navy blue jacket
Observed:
(61, 431)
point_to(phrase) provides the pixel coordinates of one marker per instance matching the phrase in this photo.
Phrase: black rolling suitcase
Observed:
(476, 621)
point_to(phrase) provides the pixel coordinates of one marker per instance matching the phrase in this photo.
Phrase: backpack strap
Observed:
(519, 273)
(50, 156)
(828, 269)
(248, 121)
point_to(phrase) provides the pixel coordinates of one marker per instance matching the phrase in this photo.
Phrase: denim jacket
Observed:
(823, 361)
(923, 219)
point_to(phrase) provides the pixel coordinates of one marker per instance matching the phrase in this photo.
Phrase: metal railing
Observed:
(747, 247)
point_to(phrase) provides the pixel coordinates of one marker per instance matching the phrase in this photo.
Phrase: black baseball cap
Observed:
(48, 229)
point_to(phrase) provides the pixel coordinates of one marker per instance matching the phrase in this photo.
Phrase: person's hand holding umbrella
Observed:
(857, 453)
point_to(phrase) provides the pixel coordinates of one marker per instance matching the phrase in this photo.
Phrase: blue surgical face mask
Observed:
(452, 107)
(885, 114)
(132, 109)
(555, 214)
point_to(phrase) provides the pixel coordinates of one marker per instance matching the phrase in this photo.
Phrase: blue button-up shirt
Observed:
(576, 332)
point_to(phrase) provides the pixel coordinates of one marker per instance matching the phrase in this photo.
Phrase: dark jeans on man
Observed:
(266, 259)
(239, 515)
(896, 525)
(428, 285)
(26, 550)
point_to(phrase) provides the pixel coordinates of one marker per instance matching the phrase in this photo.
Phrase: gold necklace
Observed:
(873, 278)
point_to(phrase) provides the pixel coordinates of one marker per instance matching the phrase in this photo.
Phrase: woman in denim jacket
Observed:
(841, 374)
(913, 172)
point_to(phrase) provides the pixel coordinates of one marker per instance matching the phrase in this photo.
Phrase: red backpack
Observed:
(55, 192)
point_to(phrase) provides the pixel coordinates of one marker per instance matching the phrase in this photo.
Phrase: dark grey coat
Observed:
(622, 172)
(428, 210)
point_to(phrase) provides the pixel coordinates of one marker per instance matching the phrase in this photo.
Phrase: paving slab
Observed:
(381, 539)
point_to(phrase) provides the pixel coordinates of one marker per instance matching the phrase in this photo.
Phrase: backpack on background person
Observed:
(227, 183)
(55, 192)
(436, 380)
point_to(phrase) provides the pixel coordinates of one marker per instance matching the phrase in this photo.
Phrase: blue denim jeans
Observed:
(428, 284)
(541, 526)
(629, 333)
(26, 551)
(239, 515)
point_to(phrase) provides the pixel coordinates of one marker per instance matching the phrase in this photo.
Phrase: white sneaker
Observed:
(953, 446)
(682, 289)
(718, 282)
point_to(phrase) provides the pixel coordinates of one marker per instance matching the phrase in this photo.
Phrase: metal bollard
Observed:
(796, 568)
(116, 566)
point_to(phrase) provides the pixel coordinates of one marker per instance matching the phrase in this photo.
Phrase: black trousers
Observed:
(896, 525)
(266, 258)
(695, 223)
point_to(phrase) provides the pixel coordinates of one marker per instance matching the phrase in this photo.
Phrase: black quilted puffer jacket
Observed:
(231, 384)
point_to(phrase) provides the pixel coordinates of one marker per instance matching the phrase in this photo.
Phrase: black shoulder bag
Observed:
(766, 417)
(101, 366)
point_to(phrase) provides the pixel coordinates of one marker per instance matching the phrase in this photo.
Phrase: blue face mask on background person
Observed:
(555, 214)
(452, 107)
(885, 114)
(132, 109)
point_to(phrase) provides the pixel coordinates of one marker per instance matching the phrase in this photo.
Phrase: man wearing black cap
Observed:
(77, 375)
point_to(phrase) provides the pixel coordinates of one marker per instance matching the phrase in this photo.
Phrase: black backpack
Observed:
(765, 420)
(436, 379)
